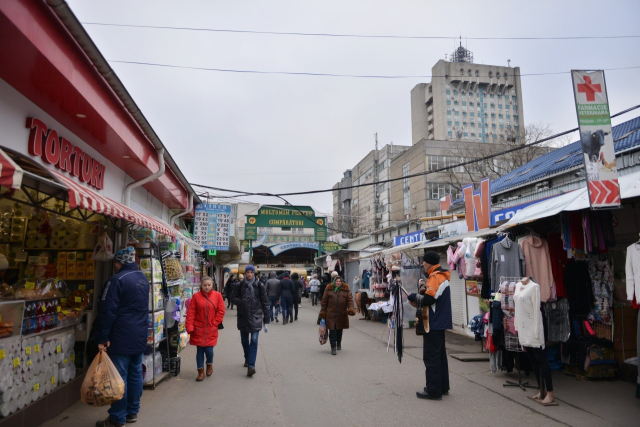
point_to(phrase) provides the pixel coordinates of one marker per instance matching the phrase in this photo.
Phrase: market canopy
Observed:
(573, 201)
(85, 198)
(10, 172)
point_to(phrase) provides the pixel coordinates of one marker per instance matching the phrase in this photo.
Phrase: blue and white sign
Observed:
(415, 237)
(260, 241)
(506, 213)
(278, 249)
(212, 223)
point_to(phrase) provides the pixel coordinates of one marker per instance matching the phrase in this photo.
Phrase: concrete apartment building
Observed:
(365, 209)
(467, 101)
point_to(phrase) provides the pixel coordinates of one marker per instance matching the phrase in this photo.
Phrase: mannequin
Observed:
(528, 323)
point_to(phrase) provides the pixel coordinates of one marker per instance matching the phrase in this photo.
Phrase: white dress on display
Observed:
(527, 317)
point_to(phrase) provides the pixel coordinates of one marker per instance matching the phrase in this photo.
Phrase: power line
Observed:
(443, 169)
(361, 36)
(360, 76)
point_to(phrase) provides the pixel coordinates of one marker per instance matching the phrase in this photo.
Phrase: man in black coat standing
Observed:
(295, 278)
(250, 296)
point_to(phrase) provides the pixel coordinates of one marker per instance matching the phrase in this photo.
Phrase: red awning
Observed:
(10, 172)
(85, 198)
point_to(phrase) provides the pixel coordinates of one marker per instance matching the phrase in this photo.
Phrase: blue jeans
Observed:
(201, 352)
(130, 369)
(273, 304)
(250, 349)
(287, 305)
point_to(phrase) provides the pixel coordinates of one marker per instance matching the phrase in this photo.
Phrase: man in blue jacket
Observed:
(122, 329)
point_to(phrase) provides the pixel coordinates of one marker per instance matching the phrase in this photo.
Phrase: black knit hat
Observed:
(431, 258)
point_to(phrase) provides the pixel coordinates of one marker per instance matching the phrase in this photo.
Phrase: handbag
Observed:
(220, 326)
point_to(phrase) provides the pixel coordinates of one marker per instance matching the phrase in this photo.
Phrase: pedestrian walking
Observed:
(314, 290)
(205, 313)
(253, 310)
(287, 291)
(434, 305)
(121, 329)
(326, 280)
(273, 293)
(297, 295)
(336, 306)
(228, 289)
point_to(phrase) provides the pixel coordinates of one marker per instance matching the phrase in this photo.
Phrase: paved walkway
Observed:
(299, 383)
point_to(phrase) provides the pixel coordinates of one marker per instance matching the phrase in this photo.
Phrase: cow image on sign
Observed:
(477, 205)
(596, 138)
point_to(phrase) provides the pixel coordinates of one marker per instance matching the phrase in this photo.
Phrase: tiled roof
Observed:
(625, 135)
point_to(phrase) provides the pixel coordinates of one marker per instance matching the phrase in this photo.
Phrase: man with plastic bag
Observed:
(121, 330)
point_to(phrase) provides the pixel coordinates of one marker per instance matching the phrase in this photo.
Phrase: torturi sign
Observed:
(56, 150)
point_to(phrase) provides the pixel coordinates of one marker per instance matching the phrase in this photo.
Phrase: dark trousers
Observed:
(335, 337)
(434, 355)
(363, 304)
(538, 358)
(314, 298)
(295, 309)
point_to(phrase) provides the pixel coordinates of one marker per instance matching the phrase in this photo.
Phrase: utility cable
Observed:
(358, 76)
(362, 36)
(443, 169)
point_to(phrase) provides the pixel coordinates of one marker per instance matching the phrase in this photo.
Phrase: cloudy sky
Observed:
(282, 133)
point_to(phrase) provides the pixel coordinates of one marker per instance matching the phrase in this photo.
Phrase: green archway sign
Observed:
(286, 216)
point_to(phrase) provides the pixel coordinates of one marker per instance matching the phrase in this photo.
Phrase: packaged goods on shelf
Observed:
(156, 327)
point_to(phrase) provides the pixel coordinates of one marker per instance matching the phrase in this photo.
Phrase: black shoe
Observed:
(296, 318)
(333, 351)
(246, 364)
(277, 320)
(251, 371)
(424, 395)
(132, 418)
(339, 347)
(108, 423)
(444, 393)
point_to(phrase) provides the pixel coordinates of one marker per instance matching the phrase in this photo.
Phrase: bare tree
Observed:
(353, 223)
(498, 164)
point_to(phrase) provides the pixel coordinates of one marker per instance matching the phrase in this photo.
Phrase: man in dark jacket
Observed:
(273, 292)
(287, 291)
(228, 289)
(297, 294)
(253, 309)
(326, 279)
(121, 329)
(434, 318)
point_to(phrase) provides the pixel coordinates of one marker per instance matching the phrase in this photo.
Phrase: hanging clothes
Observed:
(485, 265)
(577, 231)
(632, 270)
(558, 324)
(602, 280)
(528, 318)
(579, 288)
(469, 246)
(538, 266)
(507, 260)
(558, 257)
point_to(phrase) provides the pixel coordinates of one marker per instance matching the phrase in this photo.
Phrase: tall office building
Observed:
(467, 102)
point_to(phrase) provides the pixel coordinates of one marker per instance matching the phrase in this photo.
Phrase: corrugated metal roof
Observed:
(626, 135)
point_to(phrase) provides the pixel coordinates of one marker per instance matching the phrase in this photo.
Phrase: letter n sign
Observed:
(478, 205)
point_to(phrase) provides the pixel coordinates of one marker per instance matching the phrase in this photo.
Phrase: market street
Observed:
(299, 383)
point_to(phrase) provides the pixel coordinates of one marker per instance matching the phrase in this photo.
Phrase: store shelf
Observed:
(156, 342)
(57, 328)
(156, 380)
(156, 310)
(57, 249)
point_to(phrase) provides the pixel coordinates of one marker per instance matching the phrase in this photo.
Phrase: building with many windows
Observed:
(365, 209)
(467, 101)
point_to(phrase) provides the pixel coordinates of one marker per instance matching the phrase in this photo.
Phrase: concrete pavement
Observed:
(299, 383)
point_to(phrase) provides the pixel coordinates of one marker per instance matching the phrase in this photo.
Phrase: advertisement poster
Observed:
(211, 230)
(596, 138)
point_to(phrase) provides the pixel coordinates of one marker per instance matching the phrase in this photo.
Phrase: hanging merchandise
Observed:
(558, 323)
(602, 280)
(538, 265)
(507, 260)
(579, 288)
(632, 269)
(104, 249)
(528, 318)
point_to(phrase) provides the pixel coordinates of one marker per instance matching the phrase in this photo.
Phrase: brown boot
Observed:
(200, 374)
(209, 369)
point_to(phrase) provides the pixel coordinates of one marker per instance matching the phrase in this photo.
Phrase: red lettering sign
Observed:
(478, 206)
(58, 151)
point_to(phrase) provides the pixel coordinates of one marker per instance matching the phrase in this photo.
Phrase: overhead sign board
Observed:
(415, 237)
(285, 216)
(211, 229)
(596, 138)
(250, 233)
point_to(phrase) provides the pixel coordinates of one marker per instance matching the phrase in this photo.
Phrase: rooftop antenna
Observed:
(376, 136)
(509, 63)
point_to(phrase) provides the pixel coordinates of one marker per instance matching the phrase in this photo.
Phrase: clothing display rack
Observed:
(511, 341)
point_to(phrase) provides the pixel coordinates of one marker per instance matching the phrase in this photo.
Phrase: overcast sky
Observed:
(278, 133)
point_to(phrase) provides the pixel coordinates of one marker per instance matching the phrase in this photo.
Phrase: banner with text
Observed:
(596, 138)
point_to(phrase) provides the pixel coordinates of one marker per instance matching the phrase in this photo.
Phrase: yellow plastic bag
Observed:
(103, 384)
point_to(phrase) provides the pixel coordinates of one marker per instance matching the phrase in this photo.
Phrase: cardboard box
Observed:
(71, 266)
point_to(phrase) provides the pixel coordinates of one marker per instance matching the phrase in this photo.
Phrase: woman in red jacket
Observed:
(204, 314)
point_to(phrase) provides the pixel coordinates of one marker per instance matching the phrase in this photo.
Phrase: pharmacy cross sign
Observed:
(589, 88)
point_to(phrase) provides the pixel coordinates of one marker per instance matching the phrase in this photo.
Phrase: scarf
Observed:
(250, 286)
